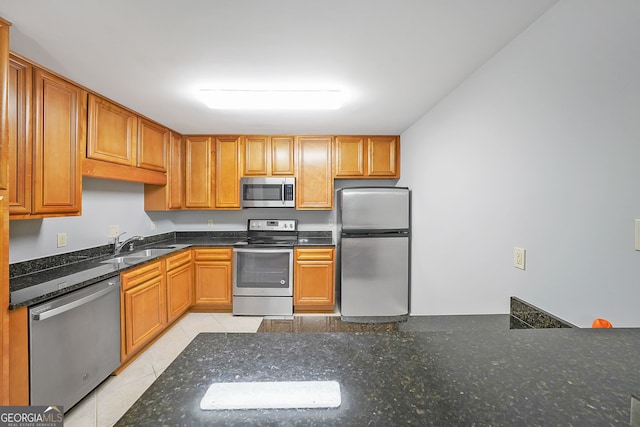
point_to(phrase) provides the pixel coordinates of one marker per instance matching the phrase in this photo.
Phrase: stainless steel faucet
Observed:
(117, 246)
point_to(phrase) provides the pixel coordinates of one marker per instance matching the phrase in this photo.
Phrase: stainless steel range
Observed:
(263, 279)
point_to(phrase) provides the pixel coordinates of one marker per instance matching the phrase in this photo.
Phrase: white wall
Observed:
(538, 149)
(106, 202)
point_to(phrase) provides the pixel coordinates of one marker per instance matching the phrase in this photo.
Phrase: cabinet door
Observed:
(179, 291)
(384, 156)
(350, 156)
(227, 180)
(198, 172)
(282, 155)
(143, 306)
(213, 278)
(152, 145)
(170, 195)
(176, 172)
(60, 131)
(314, 184)
(256, 158)
(314, 280)
(112, 135)
(19, 138)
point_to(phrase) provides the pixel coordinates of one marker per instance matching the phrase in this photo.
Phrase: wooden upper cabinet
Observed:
(171, 195)
(282, 155)
(256, 156)
(384, 156)
(268, 155)
(113, 132)
(198, 180)
(123, 146)
(350, 156)
(227, 173)
(60, 131)
(152, 145)
(19, 135)
(367, 157)
(314, 180)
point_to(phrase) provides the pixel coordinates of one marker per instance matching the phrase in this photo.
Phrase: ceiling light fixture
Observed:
(277, 99)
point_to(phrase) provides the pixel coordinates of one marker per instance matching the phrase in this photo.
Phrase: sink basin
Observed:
(147, 253)
(124, 260)
(139, 256)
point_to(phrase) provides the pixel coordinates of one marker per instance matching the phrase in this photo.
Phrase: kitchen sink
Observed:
(139, 256)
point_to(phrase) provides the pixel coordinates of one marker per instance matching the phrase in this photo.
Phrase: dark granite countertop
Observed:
(579, 377)
(68, 272)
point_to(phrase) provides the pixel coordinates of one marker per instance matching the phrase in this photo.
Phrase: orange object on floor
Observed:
(601, 323)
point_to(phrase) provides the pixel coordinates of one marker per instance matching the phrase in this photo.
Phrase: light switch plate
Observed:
(637, 234)
(114, 230)
(519, 258)
(62, 240)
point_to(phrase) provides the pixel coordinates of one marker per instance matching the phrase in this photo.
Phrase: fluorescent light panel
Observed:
(278, 99)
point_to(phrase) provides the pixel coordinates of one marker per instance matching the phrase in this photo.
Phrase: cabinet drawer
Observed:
(210, 254)
(141, 274)
(315, 254)
(178, 259)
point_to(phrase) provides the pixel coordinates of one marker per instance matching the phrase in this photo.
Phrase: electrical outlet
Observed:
(210, 223)
(519, 256)
(153, 225)
(62, 240)
(114, 230)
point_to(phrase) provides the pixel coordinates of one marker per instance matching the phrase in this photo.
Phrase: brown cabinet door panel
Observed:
(113, 132)
(213, 274)
(19, 136)
(314, 279)
(350, 156)
(152, 145)
(314, 184)
(60, 126)
(227, 181)
(256, 160)
(179, 291)
(144, 313)
(384, 156)
(198, 172)
(282, 155)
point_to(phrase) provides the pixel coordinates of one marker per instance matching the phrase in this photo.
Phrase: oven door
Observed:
(263, 272)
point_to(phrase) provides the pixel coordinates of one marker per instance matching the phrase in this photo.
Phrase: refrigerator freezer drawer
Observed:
(374, 276)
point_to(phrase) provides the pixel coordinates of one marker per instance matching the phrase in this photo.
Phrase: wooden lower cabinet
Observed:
(179, 284)
(213, 274)
(143, 312)
(314, 279)
(19, 357)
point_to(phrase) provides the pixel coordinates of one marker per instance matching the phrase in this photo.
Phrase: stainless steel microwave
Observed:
(268, 192)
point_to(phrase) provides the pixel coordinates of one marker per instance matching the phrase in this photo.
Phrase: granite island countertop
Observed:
(579, 377)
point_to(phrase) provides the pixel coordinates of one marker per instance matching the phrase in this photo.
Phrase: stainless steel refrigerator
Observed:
(374, 247)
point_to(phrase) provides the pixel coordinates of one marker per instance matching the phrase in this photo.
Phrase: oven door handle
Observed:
(73, 304)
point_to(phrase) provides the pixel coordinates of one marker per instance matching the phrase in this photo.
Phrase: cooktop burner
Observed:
(270, 232)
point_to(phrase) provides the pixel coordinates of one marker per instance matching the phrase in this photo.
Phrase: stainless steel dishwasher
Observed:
(74, 343)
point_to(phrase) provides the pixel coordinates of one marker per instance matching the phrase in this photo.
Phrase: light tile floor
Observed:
(111, 399)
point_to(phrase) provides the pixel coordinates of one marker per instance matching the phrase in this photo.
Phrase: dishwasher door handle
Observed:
(73, 304)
